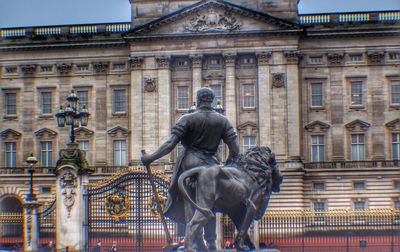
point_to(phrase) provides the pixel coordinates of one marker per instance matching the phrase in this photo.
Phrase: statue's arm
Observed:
(163, 150)
(233, 147)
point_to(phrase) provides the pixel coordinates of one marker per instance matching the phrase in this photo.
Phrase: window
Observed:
(10, 154)
(248, 142)
(359, 185)
(356, 57)
(46, 69)
(395, 92)
(319, 206)
(120, 152)
(46, 153)
(396, 146)
(119, 101)
(360, 205)
(84, 145)
(317, 148)
(82, 68)
(11, 103)
(248, 61)
(356, 93)
(119, 66)
(394, 56)
(357, 147)
(317, 95)
(83, 98)
(217, 88)
(249, 96)
(315, 60)
(215, 62)
(182, 97)
(397, 185)
(46, 102)
(45, 190)
(319, 186)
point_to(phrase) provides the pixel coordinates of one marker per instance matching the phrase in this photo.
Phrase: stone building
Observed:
(322, 90)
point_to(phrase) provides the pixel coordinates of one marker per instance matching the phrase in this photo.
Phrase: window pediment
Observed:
(394, 124)
(10, 134)
(248, 128)
(45, 133)
(317, 126)
(83, 132)
(357, 126)
(118, 131)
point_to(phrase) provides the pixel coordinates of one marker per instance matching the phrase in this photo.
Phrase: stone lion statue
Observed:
(241, 190)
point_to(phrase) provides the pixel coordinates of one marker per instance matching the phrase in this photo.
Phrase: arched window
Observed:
(11, 224)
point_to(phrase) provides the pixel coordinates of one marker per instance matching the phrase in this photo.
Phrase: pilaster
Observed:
(230, 88)
(197, 61)
(136, 118)
(264, 98)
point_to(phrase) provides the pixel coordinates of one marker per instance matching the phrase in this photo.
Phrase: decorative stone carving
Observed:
(278, 80)
(263, 58)
(394, 124)
(117, 205)
(118, 131)
(83, 132)
(28, 69)
(230, 59)
(163, 62)
(45, 133)
(215, 76)
(68, 183)
(64, 68)
(212, 21)
(248, 129)
(197, 60)
(11, 70)
(136, 62)
(292, 57)
(75, 157)
(150, 84)
(336, 58)
(10, 134)
(100, 67)
(317, 126)
(376, 57)
(357, 126)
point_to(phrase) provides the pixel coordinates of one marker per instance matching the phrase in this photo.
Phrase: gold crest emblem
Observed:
(153, 204)
(117, 205)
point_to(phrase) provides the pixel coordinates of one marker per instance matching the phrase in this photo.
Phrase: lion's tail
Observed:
(195, 171)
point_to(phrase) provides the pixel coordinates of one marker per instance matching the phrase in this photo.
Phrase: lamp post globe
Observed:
(31, 161)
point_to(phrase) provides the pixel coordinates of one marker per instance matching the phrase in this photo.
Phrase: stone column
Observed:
(164, 98)
(31, 226)
(230, 88)
(136, 119)
(264, 98)
(219, 231)
(196, 73)
(293, 105)
(72, 171)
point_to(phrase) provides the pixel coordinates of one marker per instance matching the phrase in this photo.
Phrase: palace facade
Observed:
(322, 90)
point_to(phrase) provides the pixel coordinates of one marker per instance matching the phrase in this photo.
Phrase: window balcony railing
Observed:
(24, 170)
(342, 18)
(353, 164)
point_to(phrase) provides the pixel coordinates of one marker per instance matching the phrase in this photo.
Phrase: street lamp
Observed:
(31, 160)
(72, 115)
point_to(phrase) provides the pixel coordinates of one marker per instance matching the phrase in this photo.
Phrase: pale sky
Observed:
(25, 13)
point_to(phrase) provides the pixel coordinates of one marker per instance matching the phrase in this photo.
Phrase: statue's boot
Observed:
(212, 246)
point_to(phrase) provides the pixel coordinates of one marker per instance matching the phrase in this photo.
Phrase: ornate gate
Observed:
(122, 210)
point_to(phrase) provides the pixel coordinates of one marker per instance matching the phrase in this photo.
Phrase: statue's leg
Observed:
(193, 229)
(210, 234)
(189, 211)
(247, 220)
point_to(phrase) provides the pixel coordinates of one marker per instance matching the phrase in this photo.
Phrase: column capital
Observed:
(100, 67)
(136, 62)
(293, 57)
(163, 62)
(28, 69)
(197, 60)
(230, 58)
(263, 57)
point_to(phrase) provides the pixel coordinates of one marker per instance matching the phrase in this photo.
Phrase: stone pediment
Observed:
(213, 16)
(357, 125)
(10, 134)
(394, 124)
(317, 126)
(45, 133)
(118, 131)
(83, 132)
(248, 128)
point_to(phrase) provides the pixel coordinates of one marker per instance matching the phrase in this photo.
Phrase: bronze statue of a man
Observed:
(200, 133)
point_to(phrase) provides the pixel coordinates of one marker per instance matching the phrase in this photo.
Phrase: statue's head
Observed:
(205, 96)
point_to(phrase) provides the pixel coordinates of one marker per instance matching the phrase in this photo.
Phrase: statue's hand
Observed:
(146, 160)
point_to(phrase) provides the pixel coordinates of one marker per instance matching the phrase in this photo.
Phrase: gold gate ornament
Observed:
(117, 205)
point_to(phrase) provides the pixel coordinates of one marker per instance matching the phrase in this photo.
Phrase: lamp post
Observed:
(72, 115)
(31, 160)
